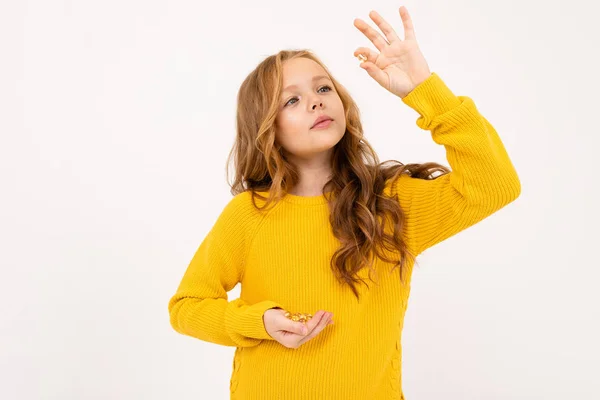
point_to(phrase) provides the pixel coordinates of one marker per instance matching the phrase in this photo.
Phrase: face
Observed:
(307, 94)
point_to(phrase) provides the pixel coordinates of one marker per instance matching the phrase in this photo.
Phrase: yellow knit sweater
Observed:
(282, 260)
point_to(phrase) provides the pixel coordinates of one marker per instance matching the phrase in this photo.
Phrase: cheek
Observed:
(340, 107)
(293, 121)
(290, 124)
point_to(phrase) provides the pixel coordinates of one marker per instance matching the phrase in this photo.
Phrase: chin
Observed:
(331, 139)
(336, 135)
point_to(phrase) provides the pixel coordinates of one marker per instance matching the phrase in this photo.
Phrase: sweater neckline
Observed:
(306, 200)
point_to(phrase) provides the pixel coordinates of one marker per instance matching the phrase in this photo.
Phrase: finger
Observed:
(314, 321)
(378, 40)
(409, 30)
(370, 54)
(296, 327)
(376, 73)
(320, 326)
(291, 338)
(386, 28)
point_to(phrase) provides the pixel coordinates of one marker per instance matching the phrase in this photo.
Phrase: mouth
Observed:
(322, 124)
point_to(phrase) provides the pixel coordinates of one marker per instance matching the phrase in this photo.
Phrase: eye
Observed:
(322, 87)
(326, 86)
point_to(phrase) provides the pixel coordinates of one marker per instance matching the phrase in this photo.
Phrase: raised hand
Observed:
(290, 333)
(400, 65)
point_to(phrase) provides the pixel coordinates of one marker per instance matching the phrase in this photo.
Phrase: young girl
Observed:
(318, 225)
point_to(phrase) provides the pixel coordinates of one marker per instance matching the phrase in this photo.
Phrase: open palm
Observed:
(400, 65)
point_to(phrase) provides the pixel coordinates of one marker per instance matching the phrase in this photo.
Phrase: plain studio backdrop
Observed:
(116, 119)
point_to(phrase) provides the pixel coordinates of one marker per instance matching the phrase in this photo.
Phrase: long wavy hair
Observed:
(358, 210)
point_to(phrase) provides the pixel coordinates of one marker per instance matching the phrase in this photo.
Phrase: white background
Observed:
(116, 119)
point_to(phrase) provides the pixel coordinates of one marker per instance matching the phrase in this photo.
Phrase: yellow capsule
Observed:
(362, 58)
(297, 316)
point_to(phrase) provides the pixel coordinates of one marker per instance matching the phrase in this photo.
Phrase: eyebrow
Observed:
(315, 78)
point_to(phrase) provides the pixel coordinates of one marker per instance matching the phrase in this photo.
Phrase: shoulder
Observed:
(241, 213)
(401, 188)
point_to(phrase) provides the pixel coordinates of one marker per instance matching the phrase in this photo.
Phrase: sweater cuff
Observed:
(431, 98)
(251, 322)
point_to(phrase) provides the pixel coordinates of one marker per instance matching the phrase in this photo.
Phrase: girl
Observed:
(318, 224)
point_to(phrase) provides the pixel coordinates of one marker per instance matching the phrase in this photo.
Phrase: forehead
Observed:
(300, 72)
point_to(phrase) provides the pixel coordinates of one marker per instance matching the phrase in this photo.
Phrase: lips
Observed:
(321, 119)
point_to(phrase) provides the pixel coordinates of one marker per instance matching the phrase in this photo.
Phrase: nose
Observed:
(320, 103)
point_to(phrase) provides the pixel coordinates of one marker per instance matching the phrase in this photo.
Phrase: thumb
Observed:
(296, 327)
(375, 72)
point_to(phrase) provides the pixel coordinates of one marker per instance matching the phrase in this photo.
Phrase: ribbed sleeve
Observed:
(200, 307)
(482, 180)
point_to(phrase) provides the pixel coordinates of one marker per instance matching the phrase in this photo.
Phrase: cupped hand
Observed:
(293, 334)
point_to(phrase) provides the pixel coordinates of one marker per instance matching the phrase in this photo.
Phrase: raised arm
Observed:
(482, 180)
